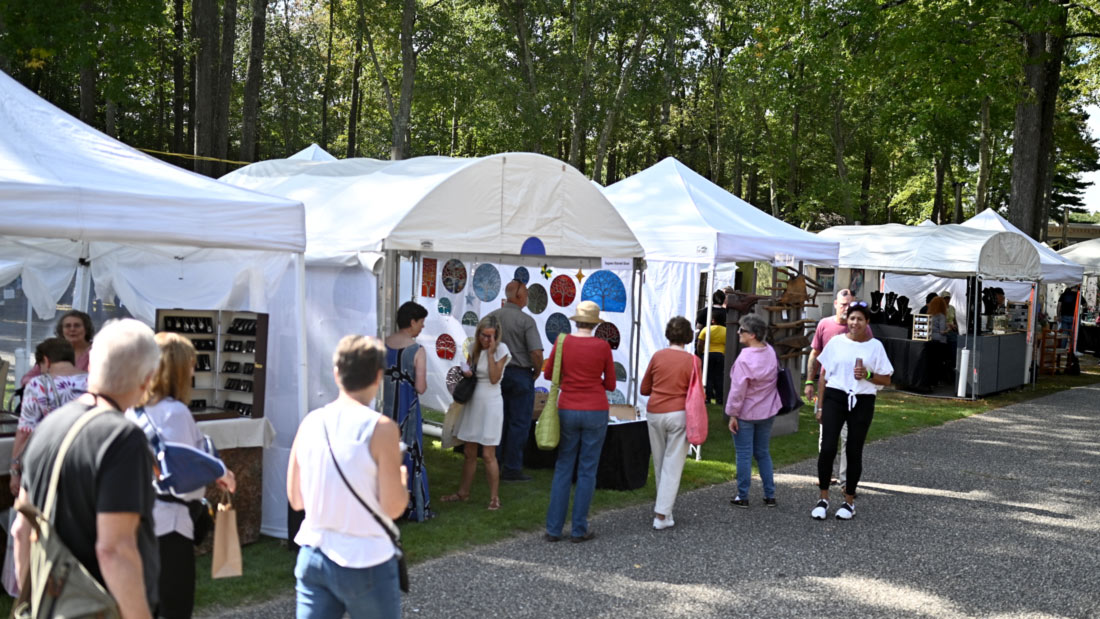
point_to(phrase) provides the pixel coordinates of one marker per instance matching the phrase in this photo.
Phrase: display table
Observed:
(1088, 338)
(910, 359)
(624, 460)
(997, 360)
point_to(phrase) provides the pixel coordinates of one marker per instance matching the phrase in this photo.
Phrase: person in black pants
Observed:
(856, 367)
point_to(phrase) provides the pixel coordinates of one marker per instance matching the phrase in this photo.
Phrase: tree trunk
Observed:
(958, 201)
(941, 164)
(328, 75)
(985, 154)
(400, 148)
(88, 74)
(796, 136)
(527, 65)
(579, 112)
(179, 82)
(205, 15)
(110, 115)
(356, 68)
(738, 171)
(454, 127)
(773, 196)
(250, 110)
(1056, 50)
(753, 189)
(620, 94)
(865, 185)
(224, 86)
(840, 142)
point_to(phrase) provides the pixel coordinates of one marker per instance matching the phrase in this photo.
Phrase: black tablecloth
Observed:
(624, 461)
(1088, 338)
(910, 359)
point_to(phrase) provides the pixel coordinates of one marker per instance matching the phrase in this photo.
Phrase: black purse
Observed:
(464, 389)
(387, 525)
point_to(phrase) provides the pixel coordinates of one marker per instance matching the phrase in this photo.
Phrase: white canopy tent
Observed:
(506, 209)
(685, 223)
(157, 236)
(312, 152)
(950, 251)
(1056, 269)
(1086, 253)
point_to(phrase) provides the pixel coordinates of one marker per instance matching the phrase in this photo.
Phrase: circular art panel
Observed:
(620, 372)
(454, 276)
(522, 275)
(444, 307)
(469, 319)
(608, 333)
(563, 291)
(542, 390)
(486, 282)
(606, 289)
(616, 397)
(445, 347)
(555, 324)
(453, 376)
(536, 299)
(533, 246)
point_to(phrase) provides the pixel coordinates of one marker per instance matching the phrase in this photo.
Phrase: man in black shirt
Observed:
(104, 509)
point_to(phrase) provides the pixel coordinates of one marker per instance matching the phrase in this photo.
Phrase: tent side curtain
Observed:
(948, 251)
(512, 204)
(95, 188)
(680, 216)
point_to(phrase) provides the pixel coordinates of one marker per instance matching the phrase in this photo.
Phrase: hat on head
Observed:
(587, 312)
(946, 294)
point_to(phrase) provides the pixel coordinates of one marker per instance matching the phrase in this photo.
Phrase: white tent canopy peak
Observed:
(1055, 268)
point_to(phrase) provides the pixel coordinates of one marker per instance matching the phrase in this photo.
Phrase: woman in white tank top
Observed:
(347, 562)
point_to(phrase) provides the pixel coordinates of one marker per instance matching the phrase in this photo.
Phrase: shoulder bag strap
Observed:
(557, 359)
(70, 436)
(385, 523)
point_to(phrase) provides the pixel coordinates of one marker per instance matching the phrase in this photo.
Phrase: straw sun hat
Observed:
(587, 312)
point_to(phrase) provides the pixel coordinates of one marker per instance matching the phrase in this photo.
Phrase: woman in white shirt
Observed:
(856, 367)
(165, 412)
(347, 562)
(483, 416)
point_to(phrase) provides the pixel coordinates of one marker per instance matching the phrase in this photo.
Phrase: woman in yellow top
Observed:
(716, 355)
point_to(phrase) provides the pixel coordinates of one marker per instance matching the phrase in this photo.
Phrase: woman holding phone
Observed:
(856, 367)
(483, 417)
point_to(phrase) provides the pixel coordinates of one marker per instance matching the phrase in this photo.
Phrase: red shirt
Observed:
(666, 380)
(587, 373)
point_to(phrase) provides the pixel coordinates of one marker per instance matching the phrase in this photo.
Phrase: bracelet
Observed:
(870, 375)
(809, 382)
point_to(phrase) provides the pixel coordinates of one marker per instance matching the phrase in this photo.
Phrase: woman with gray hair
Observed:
(752, 405)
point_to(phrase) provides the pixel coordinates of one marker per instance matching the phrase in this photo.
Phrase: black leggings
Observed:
(177, 576)
(834, 414)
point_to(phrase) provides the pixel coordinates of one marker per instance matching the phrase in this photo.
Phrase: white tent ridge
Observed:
(1086, 253)
(1055, 268)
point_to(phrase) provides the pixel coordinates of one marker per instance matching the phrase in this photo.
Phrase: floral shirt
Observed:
(44, 393)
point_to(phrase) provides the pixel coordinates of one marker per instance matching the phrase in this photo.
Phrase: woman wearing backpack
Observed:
(165, 412)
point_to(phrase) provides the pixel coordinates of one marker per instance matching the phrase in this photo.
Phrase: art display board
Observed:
(467, 290)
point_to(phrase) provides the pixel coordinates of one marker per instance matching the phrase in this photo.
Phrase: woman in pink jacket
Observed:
(752, 405)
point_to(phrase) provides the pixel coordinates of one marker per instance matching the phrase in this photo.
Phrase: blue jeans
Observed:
(751, 441)
(517, 388)
(327, 590)
(582, 434)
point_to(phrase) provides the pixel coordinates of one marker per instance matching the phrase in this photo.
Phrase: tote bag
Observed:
(696, 406)
(548, 427)
(226, 560)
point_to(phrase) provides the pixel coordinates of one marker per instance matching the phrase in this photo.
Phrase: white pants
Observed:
(842, 452)
(668, 440)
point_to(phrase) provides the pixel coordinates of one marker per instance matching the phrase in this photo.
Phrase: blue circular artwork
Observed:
(555, 324)
(616, 397)
(444, 307)
(469, 319)
(620, 372)
(606, 289)
(542, 390)
(533, 247)
(522, 275)
(486, 282)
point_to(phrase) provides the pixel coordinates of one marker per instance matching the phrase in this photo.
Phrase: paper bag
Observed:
(450, 425)
(226, 562)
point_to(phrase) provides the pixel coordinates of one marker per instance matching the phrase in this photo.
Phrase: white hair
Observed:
(123, 356)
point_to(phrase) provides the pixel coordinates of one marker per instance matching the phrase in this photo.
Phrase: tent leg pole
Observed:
(706, 341)
(636, 284)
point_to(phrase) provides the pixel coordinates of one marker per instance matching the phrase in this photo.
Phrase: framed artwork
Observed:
(856, 283)
(827, 279)
(454, 276)
(427, 279)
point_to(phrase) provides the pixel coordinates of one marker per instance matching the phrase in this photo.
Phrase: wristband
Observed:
(870, 375)
(809, 382)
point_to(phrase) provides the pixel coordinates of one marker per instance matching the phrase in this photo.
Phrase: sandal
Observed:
(494, 504)
(455, 498)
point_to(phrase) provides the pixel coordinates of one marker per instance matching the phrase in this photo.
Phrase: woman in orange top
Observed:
(666, 383)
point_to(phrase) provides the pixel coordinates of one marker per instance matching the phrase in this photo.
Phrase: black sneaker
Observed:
(739, 502)
(769, 502)
(820, 511)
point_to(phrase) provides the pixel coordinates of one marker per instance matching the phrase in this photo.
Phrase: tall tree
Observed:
(204, 15)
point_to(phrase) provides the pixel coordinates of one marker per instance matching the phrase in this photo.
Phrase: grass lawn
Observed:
(268, 564)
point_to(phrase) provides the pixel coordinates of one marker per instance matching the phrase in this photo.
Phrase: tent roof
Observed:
(59, 178)
(484, 205)
(312, 152)
(949, 251)
(680, 216)
(1086, 253)
(1056, 269)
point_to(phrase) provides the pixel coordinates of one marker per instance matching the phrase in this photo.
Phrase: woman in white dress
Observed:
(483, 416)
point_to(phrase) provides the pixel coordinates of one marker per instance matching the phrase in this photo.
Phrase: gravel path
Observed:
(995, 515)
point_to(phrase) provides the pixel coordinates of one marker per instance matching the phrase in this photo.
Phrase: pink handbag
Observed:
(696, 407)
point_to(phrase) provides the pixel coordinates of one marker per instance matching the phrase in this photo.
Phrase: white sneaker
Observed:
(846, 512)
(821, 510)
(667, 523)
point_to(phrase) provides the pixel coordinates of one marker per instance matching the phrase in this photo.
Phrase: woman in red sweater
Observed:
(666, 383)
(587, 374)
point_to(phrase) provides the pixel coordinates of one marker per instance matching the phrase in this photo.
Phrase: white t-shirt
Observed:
(838, 359)
(336, 523)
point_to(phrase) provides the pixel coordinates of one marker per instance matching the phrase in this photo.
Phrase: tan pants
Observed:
(668, 440)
